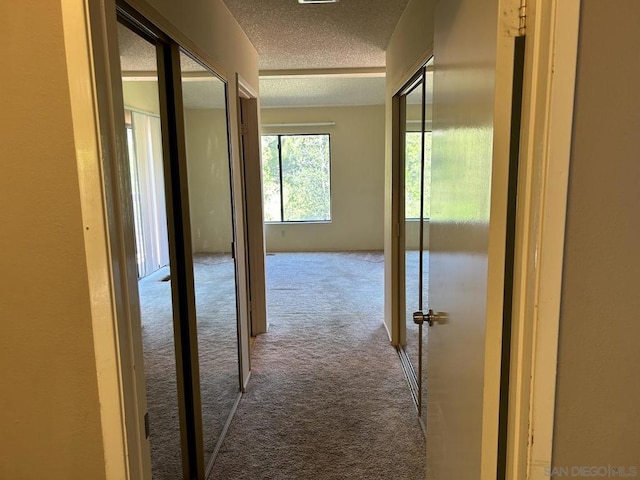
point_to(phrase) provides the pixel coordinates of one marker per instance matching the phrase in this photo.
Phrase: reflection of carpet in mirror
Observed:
(412, 270)
(327, 397)
(217, 346)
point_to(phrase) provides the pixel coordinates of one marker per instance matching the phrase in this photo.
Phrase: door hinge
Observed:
(522, 18)
(233, 250)
(398, 230)
(146, 425)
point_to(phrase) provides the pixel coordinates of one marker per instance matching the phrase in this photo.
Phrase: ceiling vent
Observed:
(317, 1)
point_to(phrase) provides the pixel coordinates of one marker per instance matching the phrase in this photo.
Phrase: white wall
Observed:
(598, 389)
(141, 95)
(49, 404)
(357, 180)
(411, 43)
(209, 187)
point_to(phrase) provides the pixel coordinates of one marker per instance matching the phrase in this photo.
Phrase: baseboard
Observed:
(216, 450)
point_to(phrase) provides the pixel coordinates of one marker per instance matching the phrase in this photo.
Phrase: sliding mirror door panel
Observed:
(145, 157)
(412, 213)
(212, 236)
(415, 159)
(181, 209)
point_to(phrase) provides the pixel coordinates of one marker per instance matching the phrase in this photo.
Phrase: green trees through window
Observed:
(296, 172)
(413, 143)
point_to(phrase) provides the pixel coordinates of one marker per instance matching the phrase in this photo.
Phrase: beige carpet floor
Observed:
(327, 398)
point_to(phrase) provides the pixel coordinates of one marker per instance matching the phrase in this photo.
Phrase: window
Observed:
(144, 143)
(296, 172)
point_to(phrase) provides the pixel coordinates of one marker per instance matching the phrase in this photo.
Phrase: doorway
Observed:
(323, 172)
(251, 185)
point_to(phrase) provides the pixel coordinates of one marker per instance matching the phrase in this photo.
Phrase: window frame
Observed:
(280, 178)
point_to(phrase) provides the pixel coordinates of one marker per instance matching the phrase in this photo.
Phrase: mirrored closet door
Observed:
(415, 173)
(179, 205)
(204, 102)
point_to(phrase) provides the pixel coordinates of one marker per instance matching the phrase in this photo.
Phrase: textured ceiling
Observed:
(344, 35)
(350, 34)
(291, 36)
(139, 55)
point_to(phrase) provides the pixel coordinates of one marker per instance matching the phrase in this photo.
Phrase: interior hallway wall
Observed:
(50, 409)
(357, 180)
(209, 187)
(598, 390)
(49, 405)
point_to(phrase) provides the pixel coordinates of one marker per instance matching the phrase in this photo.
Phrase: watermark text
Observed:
(592, 471)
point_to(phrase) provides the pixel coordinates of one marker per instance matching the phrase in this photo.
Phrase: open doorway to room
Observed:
(322, 163)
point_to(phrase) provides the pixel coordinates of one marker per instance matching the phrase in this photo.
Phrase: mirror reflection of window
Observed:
(147, 188)
(413, 144)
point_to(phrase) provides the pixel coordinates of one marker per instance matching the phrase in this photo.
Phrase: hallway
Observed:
(327, 398)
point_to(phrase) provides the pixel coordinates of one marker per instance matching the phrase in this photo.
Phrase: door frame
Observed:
(547, 116)
(251, 193)
(545, 148)
(121, 387)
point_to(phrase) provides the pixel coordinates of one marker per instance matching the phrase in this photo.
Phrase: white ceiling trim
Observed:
(329, 72)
